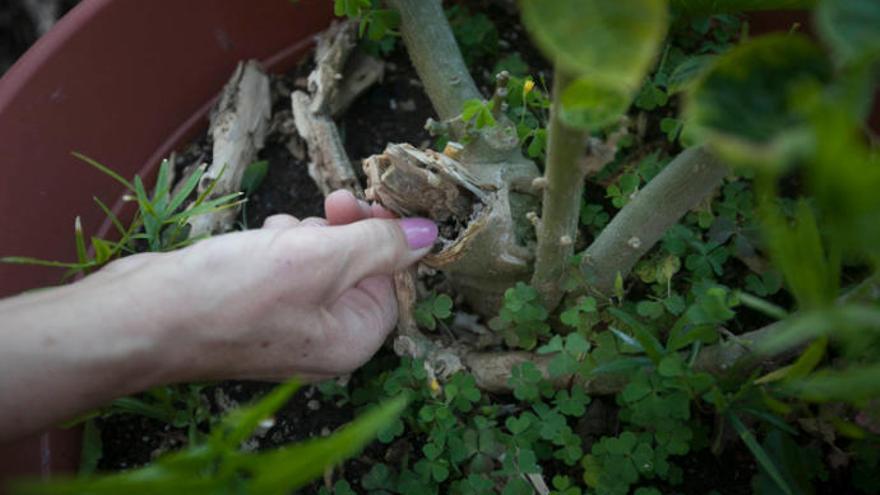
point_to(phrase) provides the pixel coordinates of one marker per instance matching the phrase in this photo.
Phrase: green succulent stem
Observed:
(683, 184)
(563, 187)
(435, 55)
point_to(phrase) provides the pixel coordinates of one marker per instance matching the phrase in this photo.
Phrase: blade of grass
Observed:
(24, 260)
(760, 454)
(110, 215)
(107, 171)
(653, 348)
(82, 256)
(187, 189)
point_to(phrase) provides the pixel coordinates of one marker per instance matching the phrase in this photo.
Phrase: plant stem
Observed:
(561, 199)
(686, 181)
(435, 55)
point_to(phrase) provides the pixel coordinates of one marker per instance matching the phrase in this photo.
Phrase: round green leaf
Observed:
(746, 106)
(851, 28)
(612, 42)
(588, 104)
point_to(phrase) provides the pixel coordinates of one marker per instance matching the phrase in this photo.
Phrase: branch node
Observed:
(539, 183)
(634, 242)
(533, 218)
(500, 94)
(436, 127)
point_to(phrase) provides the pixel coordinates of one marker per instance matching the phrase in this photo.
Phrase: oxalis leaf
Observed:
(605, 47)
(746, 105)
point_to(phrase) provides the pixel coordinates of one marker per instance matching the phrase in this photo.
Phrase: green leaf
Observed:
(671, 366)
(576, 343)
(612, 43)
(850, 27)
(647, 340)
(650, 309)
(253, 176)
(806, 326)
(687, 72)
(92, 448)
(854, 384)
(588, 104)
(635, 391)
(442, 306)
(105, 170)
(24, 260)
(479, 112)
(760, 454)
(518, 425)
(746, 105)
(794, 245)
(238, 425)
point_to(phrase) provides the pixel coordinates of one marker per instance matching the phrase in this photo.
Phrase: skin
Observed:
(311, 298)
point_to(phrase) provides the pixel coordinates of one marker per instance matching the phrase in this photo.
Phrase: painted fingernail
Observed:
(365, 207)
(419, 232)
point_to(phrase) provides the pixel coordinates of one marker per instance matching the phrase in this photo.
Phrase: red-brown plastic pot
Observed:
(124, 82)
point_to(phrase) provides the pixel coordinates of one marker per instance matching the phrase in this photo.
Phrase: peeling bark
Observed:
(481, 250)
(340, 76)
(239, 125)
(329, 165)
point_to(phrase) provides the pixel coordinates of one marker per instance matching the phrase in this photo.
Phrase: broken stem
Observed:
(563, 186)
(682, 185)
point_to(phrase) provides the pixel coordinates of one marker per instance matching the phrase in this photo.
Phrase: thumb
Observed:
(379, 246)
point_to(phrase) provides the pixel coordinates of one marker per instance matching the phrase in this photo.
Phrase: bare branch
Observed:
(239, 125)
(341, 74)
(683, 184)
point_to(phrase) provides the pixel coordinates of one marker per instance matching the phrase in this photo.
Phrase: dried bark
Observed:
(341, 74)
(480, 248)
(239, 124)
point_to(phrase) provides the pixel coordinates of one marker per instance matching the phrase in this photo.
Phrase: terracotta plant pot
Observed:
(124, 82)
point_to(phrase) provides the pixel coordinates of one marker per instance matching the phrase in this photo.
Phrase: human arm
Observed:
(292, 298)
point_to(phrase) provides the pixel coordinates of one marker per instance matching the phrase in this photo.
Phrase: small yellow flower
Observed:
(435, 386)
(528, 86)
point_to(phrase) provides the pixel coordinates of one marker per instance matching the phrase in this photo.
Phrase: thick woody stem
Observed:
(683, 184)
(564, 184)
(435, 55)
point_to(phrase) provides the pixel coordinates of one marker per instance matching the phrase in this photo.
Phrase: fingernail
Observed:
(420, 232)
(365, 207)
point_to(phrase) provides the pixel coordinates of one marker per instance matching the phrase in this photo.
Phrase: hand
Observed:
(313, 298)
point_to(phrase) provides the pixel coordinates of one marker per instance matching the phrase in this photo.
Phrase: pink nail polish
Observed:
(419, 232)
